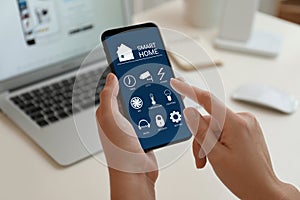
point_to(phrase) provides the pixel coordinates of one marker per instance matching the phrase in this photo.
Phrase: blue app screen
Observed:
(140, 62)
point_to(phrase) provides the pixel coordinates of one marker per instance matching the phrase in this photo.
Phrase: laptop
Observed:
(43, 44)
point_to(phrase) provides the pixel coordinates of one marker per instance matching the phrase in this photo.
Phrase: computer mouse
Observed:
(266, 96)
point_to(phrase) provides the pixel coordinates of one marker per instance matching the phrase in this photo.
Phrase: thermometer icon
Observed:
(153, 102)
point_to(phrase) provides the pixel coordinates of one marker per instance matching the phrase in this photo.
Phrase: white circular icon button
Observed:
(129, 81)
(136, 102)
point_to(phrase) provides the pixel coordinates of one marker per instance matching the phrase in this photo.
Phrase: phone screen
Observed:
(137, 56)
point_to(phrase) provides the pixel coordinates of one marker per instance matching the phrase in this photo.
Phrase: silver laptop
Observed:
(43, 43)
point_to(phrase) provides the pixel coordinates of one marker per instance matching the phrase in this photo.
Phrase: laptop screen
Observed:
(38, 33)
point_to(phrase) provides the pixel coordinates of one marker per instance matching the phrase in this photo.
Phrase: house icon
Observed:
(124, 53)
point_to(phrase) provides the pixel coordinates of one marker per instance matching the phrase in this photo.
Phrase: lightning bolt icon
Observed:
(161, 73)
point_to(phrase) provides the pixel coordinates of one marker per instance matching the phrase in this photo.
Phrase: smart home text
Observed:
(147, 50)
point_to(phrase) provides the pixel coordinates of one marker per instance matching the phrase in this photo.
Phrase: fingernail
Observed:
(180, 78)
(182, 88)
(109, 78)
(192, 119)
(174, 80)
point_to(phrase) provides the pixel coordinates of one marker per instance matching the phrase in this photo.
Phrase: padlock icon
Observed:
(160, 122)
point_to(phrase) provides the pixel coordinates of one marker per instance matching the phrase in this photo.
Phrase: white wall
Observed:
(267, 6)
(140, 5)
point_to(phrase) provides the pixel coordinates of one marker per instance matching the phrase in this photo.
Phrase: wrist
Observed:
(272, 189)
(127, 177)
(288, 192)
(284, 191)
(125, 185)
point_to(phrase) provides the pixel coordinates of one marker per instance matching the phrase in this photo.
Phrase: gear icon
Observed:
(175, 116)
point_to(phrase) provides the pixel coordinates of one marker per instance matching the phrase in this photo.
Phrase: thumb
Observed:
(200, 128)
(200, 161)
(108, 96)
(193, 120)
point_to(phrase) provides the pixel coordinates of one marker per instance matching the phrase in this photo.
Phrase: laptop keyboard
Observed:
(54, 102)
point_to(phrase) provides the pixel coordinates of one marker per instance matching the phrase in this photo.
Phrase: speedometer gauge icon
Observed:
(129, 81)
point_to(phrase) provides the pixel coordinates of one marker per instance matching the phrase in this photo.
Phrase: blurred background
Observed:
(285, 9)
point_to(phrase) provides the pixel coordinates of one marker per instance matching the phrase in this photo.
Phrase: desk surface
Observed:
(26, 172)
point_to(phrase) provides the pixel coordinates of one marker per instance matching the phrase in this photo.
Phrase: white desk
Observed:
(26, 172)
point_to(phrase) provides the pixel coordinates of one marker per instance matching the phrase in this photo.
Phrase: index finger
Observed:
(202, 97)
(211, 104)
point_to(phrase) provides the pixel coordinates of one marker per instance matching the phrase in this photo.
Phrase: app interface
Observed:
(144, 72)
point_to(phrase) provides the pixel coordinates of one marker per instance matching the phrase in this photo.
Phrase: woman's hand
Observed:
(240, 156)
(133, 173)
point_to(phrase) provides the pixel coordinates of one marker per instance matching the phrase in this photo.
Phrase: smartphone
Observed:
(137, 56)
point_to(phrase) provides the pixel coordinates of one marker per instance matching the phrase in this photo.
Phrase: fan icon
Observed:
(136, 102)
